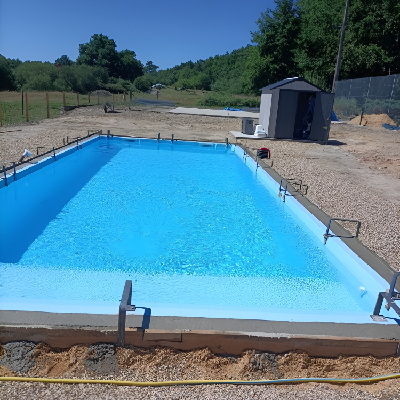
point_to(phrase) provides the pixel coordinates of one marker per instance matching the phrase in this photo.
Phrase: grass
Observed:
(196, 98)
(13, 112)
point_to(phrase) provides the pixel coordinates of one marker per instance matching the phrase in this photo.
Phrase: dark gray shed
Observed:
(296, 109)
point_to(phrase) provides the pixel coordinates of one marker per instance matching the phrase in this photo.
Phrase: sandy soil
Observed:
(374, 120)
(161, 364)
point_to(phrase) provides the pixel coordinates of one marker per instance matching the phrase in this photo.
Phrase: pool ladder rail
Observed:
(293, 181)
(328, 235)
(391, 295)
(125, 305)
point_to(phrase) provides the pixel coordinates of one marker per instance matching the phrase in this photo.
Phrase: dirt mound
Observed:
(373, 120)
(163, 363)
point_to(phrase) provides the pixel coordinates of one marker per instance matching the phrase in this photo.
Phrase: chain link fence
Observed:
(374, 95)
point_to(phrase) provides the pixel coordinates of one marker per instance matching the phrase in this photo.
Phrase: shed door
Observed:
(286, 114)
(321, 123)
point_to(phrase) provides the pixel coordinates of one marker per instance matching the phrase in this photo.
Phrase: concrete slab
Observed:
(240, 135)
(26, 319)
(215, 113)
(218, 341)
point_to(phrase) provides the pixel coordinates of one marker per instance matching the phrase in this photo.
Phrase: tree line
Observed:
(301, 38)
(98, 66)
(296, 38)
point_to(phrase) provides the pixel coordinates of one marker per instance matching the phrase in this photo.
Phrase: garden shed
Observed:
(295, 108)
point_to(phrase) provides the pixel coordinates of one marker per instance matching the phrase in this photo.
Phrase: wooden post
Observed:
(89, 97)
(64, 99)
(77, 98)
(113, 97)
(1, 119)
(22, 99)
(157, 94)
(48, 105)
(26, 107)
(98, 98)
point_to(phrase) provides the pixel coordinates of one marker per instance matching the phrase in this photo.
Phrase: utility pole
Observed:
(339, 56)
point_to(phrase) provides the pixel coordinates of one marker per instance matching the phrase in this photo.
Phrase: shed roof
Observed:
(287, 81)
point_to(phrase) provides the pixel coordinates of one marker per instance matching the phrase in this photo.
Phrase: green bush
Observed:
(143, 83)
(226, 100)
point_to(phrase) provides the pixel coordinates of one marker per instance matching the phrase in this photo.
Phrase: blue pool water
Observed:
(196, 228)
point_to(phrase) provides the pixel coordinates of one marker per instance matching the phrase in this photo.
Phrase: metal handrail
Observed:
(124, 306)
(298, 182)
(52, 150)
(390, 296)
(281, 188)
(328, 235)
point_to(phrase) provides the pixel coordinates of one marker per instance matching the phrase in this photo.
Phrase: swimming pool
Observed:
(195, 226)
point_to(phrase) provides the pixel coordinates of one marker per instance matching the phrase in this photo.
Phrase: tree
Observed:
(63, 60)
(277, 41)
(130, 68)
(101, 52)
(143, 83)
(370, 46)
(6, 75)
(150, 68)
(35, 75)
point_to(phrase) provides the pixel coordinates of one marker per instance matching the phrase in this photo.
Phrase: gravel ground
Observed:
(81, 391)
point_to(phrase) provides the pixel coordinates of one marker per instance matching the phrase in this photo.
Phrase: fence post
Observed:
(98, 98)
(391, 94)
(26, 107)
(64, 99)
(48, 105)
(22, 99)
(1, 119)
(89, 97)
(77, 98)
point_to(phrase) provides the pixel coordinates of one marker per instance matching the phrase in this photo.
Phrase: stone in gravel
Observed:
(265, 362)
(18, 356)
(101, 357)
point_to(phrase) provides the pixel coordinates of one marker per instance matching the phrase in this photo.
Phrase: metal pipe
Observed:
(172, 138)
(339, 56)
(226, 142)
(54, 154)
(5, 175)
(15, 174)
(158, 138)
(108, 134)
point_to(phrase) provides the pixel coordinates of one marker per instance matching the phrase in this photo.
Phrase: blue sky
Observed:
(165, 32)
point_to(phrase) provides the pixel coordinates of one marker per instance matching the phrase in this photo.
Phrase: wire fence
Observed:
(17, 107)
(374, 95)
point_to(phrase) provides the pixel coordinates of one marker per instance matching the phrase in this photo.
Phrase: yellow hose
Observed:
(203, 382)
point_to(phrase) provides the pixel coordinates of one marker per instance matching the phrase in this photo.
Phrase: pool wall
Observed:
(34, 166)
(354, 264)
(295, 202)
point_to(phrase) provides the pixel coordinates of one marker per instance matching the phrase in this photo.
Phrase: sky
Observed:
(165, 32)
